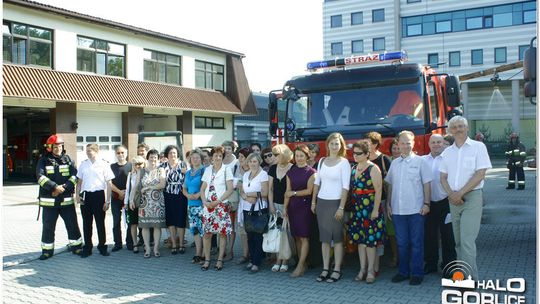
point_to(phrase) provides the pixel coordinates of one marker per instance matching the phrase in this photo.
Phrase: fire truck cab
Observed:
(387, 97)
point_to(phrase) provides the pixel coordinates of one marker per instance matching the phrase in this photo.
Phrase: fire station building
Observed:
(92, 80)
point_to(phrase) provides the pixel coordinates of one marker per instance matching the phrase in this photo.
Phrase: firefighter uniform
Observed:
(516, 156)
(53, 171)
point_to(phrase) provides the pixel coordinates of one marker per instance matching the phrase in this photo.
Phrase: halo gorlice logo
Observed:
(462, 289)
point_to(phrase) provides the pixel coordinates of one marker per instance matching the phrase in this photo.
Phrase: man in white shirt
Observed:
(408, 202)
(94, 194)
(463, 168)
(438, 220)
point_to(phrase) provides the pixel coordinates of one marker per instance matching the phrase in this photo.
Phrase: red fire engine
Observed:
(388, 97)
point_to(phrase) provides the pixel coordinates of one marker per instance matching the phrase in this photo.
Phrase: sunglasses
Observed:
(268, 155)
(358, 153)
(139, 164)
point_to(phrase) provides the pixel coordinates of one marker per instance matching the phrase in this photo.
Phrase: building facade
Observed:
(459, 37)
(99, 81)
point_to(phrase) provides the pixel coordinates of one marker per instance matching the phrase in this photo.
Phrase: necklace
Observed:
(250, 178)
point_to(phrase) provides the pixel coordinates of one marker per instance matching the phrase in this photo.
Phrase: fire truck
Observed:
(359, 94)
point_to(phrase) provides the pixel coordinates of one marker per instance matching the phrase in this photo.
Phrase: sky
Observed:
(277, 37)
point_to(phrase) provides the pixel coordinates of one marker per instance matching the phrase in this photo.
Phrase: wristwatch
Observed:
(294, 194)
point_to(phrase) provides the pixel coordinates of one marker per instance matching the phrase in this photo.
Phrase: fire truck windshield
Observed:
(389, 106)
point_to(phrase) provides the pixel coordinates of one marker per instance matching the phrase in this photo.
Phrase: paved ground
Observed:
(506, 249)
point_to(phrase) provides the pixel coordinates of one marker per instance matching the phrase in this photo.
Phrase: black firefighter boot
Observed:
(511, 185)
(46, 254)
(521, 187)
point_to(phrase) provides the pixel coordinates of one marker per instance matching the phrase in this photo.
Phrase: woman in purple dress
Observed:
(300, 179)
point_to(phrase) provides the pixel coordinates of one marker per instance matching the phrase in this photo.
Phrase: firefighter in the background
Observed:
(516, 156)
(57, 179)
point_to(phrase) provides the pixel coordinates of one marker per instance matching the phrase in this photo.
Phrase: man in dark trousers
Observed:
(516, 156)
(57, 179)
(121, 170)
(94, 193)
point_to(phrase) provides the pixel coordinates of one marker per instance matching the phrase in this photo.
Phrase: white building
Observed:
(467, 36)
(99, 81)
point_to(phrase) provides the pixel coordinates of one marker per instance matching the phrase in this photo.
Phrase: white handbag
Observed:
(271, 239)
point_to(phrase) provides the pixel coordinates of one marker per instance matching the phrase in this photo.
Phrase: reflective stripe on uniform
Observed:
(522, 153)
(49, 202)
(47, 246)
(43, 180)
(75, 242)
(511, 182)
(73, 179)
(521, 182)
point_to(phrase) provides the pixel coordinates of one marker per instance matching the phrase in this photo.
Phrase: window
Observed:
(521, 51)
(378, 44)
(502, 19)
(161, 67)
(488, 21)
(335, 21)
(116, 138)
(357, 18)
(377, 15)
(80, 139)
(433, 59)
(474, 23)
(336, 48)
(91, 139)
(209, 122)
(100, 56)
(500, 55)
(413, 1)
(454, 59)
(414, 29)
(357, 46)
(104, 139)
(209, 76)
(444, 26)
(27, 44)
(529, 16)
(477, 56)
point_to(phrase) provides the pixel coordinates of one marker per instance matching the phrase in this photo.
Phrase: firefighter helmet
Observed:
(53, 140)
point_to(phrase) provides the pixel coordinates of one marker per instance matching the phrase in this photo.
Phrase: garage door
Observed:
(102, 128)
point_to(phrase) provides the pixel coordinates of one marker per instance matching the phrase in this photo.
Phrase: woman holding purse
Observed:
(132, 199)
(254, 195)
(217, 186)
(191, 190)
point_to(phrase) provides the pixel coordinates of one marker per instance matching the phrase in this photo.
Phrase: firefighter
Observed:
(516, 156)
(56, 175)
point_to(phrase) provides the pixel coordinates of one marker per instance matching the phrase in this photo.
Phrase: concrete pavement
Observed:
(506, 249)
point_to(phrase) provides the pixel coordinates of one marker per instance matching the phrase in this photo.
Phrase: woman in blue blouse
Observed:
(191, 189)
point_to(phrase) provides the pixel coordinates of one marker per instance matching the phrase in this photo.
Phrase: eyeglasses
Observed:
(358, 153)
(268, 155)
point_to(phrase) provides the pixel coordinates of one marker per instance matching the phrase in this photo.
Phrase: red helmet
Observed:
(52, 140)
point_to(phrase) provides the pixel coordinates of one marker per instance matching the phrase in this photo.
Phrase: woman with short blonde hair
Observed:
(130, 202)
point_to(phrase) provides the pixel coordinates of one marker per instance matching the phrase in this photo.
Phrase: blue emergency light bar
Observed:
(361, 59)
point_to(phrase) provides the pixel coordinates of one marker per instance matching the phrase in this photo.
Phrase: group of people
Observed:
(405, 201)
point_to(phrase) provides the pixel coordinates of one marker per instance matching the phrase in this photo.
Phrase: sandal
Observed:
(322, 277)
(332, 279)
(220, 266)
(181, 250)
(206, 265)
(248, 266)
(174, 251)
(135, 249)
(196, 259)
(276, 268)
(146, 255)
(370, 277)
(361, 276)
(284, 268)
(157, 254)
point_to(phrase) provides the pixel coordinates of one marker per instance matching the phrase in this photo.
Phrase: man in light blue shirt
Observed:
(408, 202)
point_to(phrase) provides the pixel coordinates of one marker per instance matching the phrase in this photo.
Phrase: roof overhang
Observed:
(45, 84)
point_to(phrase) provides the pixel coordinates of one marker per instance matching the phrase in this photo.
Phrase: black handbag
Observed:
(256, 221)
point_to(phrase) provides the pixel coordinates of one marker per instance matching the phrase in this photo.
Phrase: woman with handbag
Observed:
(254, 204)
(329, 196)
(277, 183)
(297, 209)
(366, 227)
(230, 160)
(133, 199)
(243, 167)
(216, 187)
(191, 190)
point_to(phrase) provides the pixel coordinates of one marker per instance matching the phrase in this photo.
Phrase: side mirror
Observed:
(529, 72)
(453, 93)
(272, 113)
